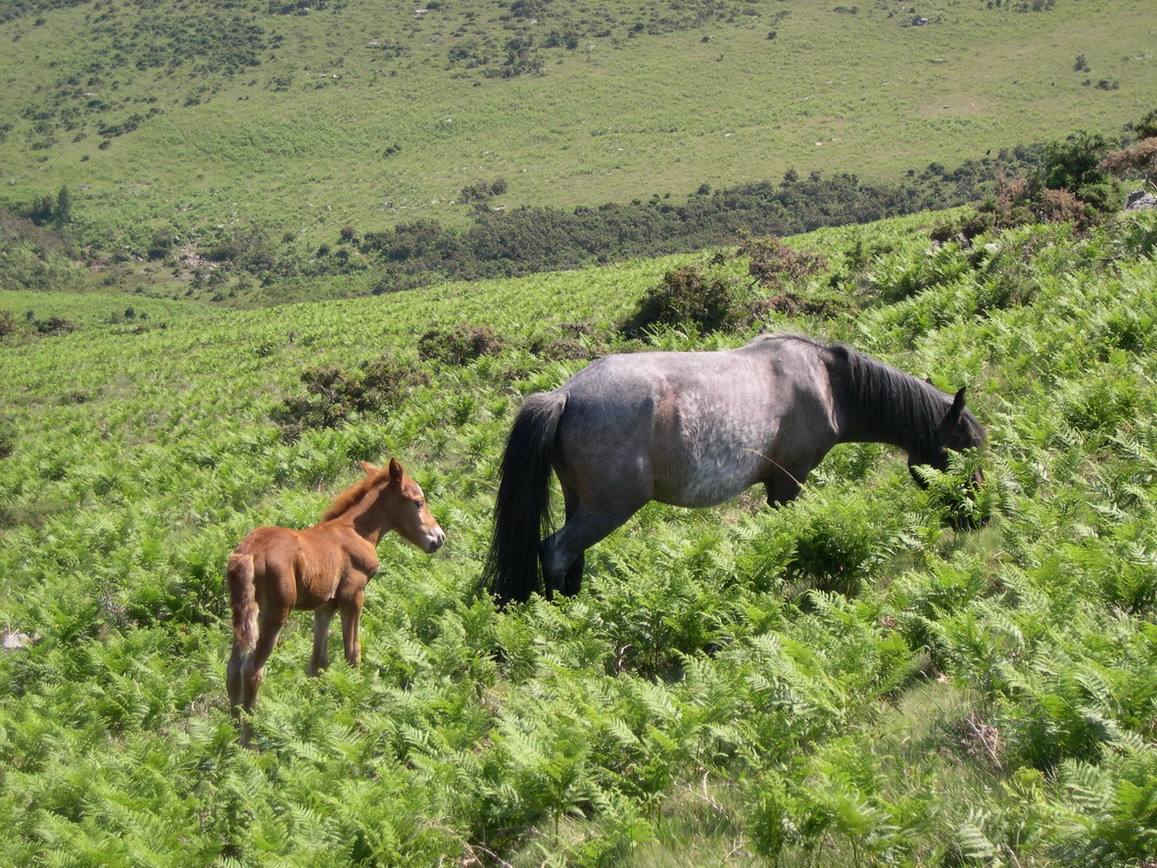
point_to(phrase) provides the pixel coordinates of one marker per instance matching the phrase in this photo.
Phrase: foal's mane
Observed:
(354, 494)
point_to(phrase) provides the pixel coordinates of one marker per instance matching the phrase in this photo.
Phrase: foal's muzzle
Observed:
(435, 540)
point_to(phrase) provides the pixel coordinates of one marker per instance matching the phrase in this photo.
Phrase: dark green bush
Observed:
(459, 345)
(334, 396)
(56, 325)
(773, 263)
(687, 298)
(835, 551)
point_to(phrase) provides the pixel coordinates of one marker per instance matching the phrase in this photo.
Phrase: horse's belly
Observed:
(708, 477)
(705, 454)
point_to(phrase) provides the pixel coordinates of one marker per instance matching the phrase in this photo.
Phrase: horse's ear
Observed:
(956, 410)
(396, 471)
(368, 468)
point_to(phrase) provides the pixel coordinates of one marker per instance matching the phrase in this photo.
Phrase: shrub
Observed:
(334, 396)
(1146, 128)
(578, 341)
(1007, 207)
(1061, 206)
(1074, 165)
(1140, 158)
(1072, 185)
(773, 263)
(687, 298)
(482, 191)
(459, 345)
(837, 548)
(8, 324)
(56, 325)
(776, 266)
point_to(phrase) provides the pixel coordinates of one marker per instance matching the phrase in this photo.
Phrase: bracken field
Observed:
(841, 681)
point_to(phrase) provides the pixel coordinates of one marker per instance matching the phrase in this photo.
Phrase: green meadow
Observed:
(311, 117)
(846, 680)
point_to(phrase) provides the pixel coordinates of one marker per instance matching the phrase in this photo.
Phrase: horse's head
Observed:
(411, 516)
(958, 430)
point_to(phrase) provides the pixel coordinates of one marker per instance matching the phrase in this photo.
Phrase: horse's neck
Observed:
(879, 404)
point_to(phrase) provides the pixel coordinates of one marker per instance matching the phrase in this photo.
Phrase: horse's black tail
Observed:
(522, 510)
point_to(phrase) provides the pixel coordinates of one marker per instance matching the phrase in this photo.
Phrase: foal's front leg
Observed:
(351, 617)
(321, 621)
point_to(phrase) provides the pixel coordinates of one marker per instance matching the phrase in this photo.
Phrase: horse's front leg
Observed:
(322, 617)
(783, 487)
(351, 616)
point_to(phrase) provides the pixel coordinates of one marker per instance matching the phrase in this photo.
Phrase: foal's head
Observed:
(411, 517)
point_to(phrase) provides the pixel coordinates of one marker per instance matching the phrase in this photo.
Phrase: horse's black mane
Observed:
(883, 402)
(889, 403)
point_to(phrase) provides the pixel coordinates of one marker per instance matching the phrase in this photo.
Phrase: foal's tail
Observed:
(240, 578)
(522, 510)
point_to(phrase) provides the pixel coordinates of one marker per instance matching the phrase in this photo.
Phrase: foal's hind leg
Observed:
(322, 617)
(233, 679)
(253, 666)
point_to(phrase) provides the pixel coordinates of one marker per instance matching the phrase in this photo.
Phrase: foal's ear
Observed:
(952, 417)
(395, 471)
(368, 468)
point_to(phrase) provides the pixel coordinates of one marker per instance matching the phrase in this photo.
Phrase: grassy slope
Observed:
(616, 118)
(983, 695)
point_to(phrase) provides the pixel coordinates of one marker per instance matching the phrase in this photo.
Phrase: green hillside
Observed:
(303, 118)
(842, 681)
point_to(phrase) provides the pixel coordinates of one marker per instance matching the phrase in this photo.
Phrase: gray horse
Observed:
(696, 429)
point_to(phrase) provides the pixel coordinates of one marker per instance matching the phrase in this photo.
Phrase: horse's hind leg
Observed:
(562, 552)
(322, 617)
(573, 578)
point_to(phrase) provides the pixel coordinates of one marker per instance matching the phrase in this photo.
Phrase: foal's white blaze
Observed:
(433, 536)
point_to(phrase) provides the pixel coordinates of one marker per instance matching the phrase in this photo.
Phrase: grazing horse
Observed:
(324, 568)
(696, 429)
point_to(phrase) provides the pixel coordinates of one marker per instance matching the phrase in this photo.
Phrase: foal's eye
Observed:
(419, 503)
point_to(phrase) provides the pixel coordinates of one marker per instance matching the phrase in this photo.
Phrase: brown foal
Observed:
(323, 568)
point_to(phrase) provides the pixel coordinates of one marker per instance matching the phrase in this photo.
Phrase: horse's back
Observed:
(690, 428)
